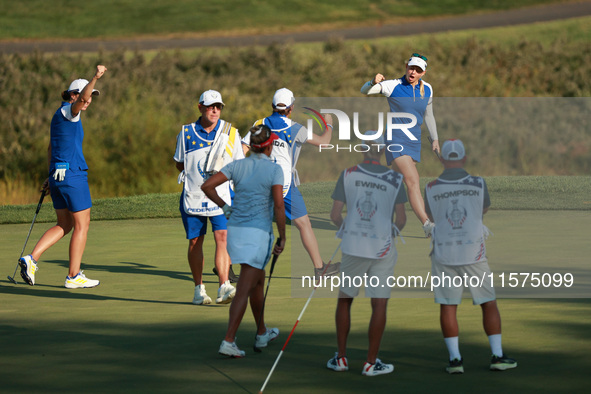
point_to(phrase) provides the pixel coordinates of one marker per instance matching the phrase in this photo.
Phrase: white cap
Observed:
(283, 99)
(417, 61)
(453, 150)
(79, 84)
(210, 97)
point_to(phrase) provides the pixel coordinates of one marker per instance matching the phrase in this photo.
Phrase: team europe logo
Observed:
(456, 215)
(200, 169)
(366, 207)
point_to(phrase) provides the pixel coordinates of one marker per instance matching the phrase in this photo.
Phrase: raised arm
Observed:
(324, 138)
(85, 95)
(373, 86)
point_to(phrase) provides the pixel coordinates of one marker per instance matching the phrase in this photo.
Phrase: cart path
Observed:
(495, 19)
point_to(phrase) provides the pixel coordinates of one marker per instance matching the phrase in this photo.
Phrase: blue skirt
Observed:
(249, 245)
(401, 145)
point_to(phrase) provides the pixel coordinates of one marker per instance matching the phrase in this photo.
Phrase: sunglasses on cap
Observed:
(419, 56)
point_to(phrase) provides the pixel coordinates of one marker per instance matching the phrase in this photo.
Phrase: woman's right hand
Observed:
(378, 78)
(45, 187)
(100, 70)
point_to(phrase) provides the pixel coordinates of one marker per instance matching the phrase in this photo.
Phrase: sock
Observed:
(495, 344)
(453, 348)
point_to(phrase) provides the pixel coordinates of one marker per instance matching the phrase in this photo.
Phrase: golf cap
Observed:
(417, 61)
(283, 99)
(379, 140)
(79, 84)
(453, 150)
(210, 97)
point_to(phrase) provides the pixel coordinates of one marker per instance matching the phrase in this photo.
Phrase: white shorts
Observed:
(371, 273)
(449, 291)
(248, 245)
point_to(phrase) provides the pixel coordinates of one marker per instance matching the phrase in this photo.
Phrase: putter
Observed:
(295, 325)
(275, 257)
(431, 142)
(28, 235)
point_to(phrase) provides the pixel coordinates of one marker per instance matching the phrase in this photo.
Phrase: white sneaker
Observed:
(337, 363)
(269, 335)
(231, 349)
(428, 227)
(28, 268)
(225, 293)
(379, 368)
(201, 297)
(80, 281)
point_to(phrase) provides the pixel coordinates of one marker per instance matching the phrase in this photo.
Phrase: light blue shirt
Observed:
(253, 203)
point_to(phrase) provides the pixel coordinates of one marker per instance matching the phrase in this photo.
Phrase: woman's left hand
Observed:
(279, 246)
(435, 147)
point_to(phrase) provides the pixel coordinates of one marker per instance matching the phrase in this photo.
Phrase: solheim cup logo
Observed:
(344, 128)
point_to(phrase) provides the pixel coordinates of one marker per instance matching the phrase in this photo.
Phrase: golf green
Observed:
(139, 332)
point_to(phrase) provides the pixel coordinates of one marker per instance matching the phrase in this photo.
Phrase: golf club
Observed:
(296, 324)
(431, 142)
(28, 235)
(275, 257)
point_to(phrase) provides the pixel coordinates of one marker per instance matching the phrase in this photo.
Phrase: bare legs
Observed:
(309, 241)
(222, 259)
(448, 320)
(343, 322)
(195, 256)
(66, 221)
(250, 285)
(377, 324)
(408, 168)
(491, 319)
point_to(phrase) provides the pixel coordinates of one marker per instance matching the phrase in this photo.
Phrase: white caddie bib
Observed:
(456, 207)
(370, 199)
(196, 151)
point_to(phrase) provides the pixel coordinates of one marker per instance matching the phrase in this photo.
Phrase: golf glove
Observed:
(227, 211)
(428, 227)
(181, 177)
(59, 174)
(60, 171)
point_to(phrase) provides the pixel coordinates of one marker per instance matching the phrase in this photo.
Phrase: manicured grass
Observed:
(107, 19)
(138, 331)
(507, 192)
